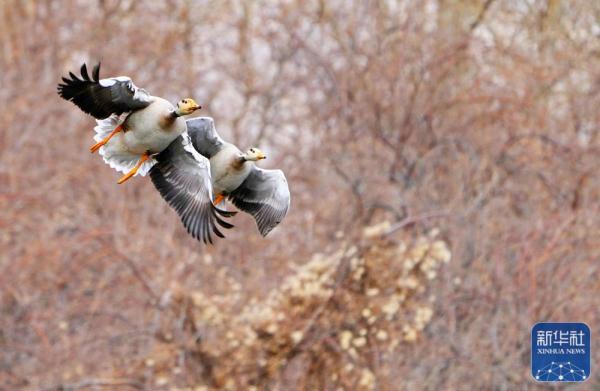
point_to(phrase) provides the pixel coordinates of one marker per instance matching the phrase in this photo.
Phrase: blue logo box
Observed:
(560, 352)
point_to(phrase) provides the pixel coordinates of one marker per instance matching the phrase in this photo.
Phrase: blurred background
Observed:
(442, 157)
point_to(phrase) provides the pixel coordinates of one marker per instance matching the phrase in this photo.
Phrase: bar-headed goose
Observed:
(132, 124)
(199, 159)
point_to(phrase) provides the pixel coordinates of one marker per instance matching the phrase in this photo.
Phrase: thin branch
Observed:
(415, 219)
(481, 15)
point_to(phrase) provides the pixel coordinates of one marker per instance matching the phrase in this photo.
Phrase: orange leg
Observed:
(218, 199)
(131, 173)
(97, 146)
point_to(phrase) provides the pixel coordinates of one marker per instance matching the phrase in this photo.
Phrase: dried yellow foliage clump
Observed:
(330, 313)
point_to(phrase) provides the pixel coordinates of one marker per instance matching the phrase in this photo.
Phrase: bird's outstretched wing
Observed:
(204, 136)
(182, 177)
(102, 97)
(265, 195)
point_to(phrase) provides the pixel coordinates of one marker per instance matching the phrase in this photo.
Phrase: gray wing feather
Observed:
(265, 195)
(102, 98)
(183, 179)
(204, 136)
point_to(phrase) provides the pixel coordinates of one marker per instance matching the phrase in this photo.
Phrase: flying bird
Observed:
(200, 163)
(132, 124)
(191, 166)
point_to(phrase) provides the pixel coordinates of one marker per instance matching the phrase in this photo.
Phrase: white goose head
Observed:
(254, 155)
(186, 107)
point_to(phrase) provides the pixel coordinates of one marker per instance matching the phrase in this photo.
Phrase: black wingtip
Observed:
(84, 91)
(96, 72)
(225, 213)
(70, 87)
(207, 239)
(218, 233)
(223, 223)
(264, 231)
(84, 72)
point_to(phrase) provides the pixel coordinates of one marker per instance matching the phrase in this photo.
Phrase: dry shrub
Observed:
(339, 316)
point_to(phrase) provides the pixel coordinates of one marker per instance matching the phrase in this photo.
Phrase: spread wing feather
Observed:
(182, 177)
(265, 195)
(102, 97)
(204, 136)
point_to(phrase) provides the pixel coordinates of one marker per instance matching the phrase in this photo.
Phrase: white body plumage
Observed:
(141, 135)
(226, 177)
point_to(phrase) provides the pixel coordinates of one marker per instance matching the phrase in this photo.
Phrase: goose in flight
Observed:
(200, 164)
(137, 133)
(132, 124)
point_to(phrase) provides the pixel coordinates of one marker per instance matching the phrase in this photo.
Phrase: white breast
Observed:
(145, 132)
(225, 178)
